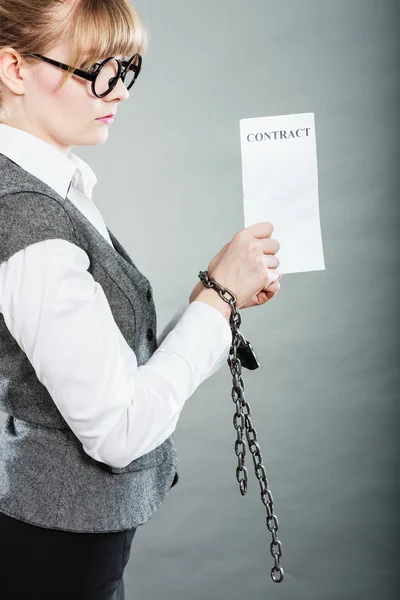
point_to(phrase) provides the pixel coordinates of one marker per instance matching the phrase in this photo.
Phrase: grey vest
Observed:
(46, 478)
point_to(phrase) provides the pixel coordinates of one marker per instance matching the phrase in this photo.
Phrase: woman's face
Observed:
(65, 117)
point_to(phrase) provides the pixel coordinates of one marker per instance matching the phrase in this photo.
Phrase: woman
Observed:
(91, 395)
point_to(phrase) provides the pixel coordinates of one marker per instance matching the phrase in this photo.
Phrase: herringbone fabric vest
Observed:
(46, 478)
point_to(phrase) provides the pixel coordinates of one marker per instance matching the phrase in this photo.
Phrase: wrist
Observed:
(196, 291)
(211, 296)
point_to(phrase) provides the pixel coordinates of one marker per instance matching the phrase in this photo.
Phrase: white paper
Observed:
(280, 185)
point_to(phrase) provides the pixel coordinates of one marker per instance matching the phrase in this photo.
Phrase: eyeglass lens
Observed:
(105, 79)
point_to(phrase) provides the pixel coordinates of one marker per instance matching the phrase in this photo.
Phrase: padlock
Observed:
(247, 355)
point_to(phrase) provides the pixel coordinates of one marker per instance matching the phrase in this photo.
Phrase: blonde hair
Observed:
(94, 29)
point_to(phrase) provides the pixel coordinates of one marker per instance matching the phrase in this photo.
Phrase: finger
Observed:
(271, 261)
(276, 281)
(271, 293)
(273, 287)
(263, 229)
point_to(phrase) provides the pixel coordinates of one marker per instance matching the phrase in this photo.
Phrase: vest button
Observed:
(150, 334)
(149, 295)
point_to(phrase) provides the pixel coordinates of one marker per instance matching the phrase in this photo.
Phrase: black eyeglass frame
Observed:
(91, 76)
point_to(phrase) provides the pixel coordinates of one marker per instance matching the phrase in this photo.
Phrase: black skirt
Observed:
(47, 563)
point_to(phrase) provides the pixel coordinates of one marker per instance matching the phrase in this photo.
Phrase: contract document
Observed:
(280, 185)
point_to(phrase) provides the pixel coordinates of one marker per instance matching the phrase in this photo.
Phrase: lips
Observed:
(107, 116)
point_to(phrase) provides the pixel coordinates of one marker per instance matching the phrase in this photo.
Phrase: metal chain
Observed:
(240, 353)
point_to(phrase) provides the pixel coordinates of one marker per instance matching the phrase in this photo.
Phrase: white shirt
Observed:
(60, 317)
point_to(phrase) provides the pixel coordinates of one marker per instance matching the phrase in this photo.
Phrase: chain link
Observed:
(241, 353)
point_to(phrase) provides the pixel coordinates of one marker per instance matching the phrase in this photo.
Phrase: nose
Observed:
(119, 92)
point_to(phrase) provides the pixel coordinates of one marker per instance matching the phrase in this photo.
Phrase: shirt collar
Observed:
(46, 162)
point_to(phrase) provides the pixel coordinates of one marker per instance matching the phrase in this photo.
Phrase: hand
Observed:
(264, 295)
(259, 299)
(247, 264)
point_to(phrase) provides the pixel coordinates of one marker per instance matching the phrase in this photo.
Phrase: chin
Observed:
(94, 139)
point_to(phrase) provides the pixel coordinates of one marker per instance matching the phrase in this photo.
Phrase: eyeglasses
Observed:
(104, 75)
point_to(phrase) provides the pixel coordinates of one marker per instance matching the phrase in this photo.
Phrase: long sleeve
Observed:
(172, 322)
(60, 317)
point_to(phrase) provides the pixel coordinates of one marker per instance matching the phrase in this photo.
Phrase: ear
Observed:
(12, 70)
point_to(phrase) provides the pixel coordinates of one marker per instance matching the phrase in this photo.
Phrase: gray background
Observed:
(325, 399)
